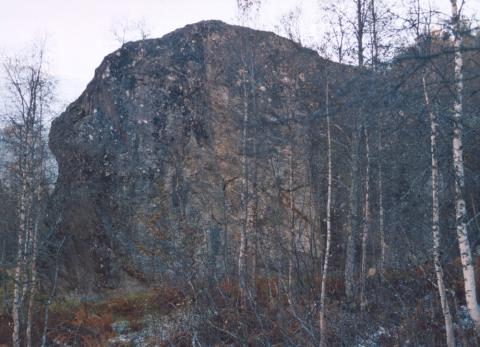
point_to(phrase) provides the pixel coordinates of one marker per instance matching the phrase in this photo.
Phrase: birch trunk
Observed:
(460, 204)
(375, 41)
(381, 216)
(242, 266)
(4, 279)
(30, 91)
(20, 267)
(225, 229)
(27, 241)
(291, 212)
(360, 31)
(436, 220)
(352, 219)
(353, 215)
(329, 226)
(366, 224)
(242, 258)
(33, 271)
(254, 195)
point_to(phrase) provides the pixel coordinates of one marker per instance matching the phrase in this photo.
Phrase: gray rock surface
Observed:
(149, 155)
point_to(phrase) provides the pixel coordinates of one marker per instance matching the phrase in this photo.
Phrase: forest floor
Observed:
(403, 310)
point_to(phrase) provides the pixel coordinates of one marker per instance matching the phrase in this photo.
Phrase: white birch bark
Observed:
(242, 257)
(291, 200)
(20, 266)
(436, 220)
(360, 26)
(31, 91)
(359, 29)
(33, 269)
(323, 293)
(32, 287)
(366, 225)
(254, 198)
(291, 209)
(292, 237)
(460, 204)
(246, 203)
(381, 215)
(4, 279)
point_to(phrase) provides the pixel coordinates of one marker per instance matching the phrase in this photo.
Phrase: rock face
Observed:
(179, 143)
(150, 155)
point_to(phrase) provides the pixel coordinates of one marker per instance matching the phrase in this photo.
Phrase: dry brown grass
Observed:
(90, 324)
(270, 318)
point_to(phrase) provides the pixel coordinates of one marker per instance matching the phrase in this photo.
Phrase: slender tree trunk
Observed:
(360, 32)
(381, 215)
(242, 258)
(291, 213)
(366, 225)
(436, 220)
(27, 244)
(31, 274)
(254, 197)
(323, 293)
(251, 259)
(352, 219)
(33, 281)
(375, 42)
(31, 91)
(4, 279)
(353, 198)
(20, 267)
(460, 204)
(225, 230)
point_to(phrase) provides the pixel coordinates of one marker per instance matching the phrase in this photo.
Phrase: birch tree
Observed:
(437, 262)
(358, 24)
(422, 31)
(460, 203)
(329, 221)
(366, 223)
(381, 209)
(375, 57)
(30, 92)
(344, 37)
(246, 9)
(245, 202)
(359, 29)
(291, 198)
(131, 30)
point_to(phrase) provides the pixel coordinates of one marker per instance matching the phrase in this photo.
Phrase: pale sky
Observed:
(80, 32)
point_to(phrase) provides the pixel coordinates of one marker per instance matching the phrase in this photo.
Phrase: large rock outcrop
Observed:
(150, 155)
(152, 160)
